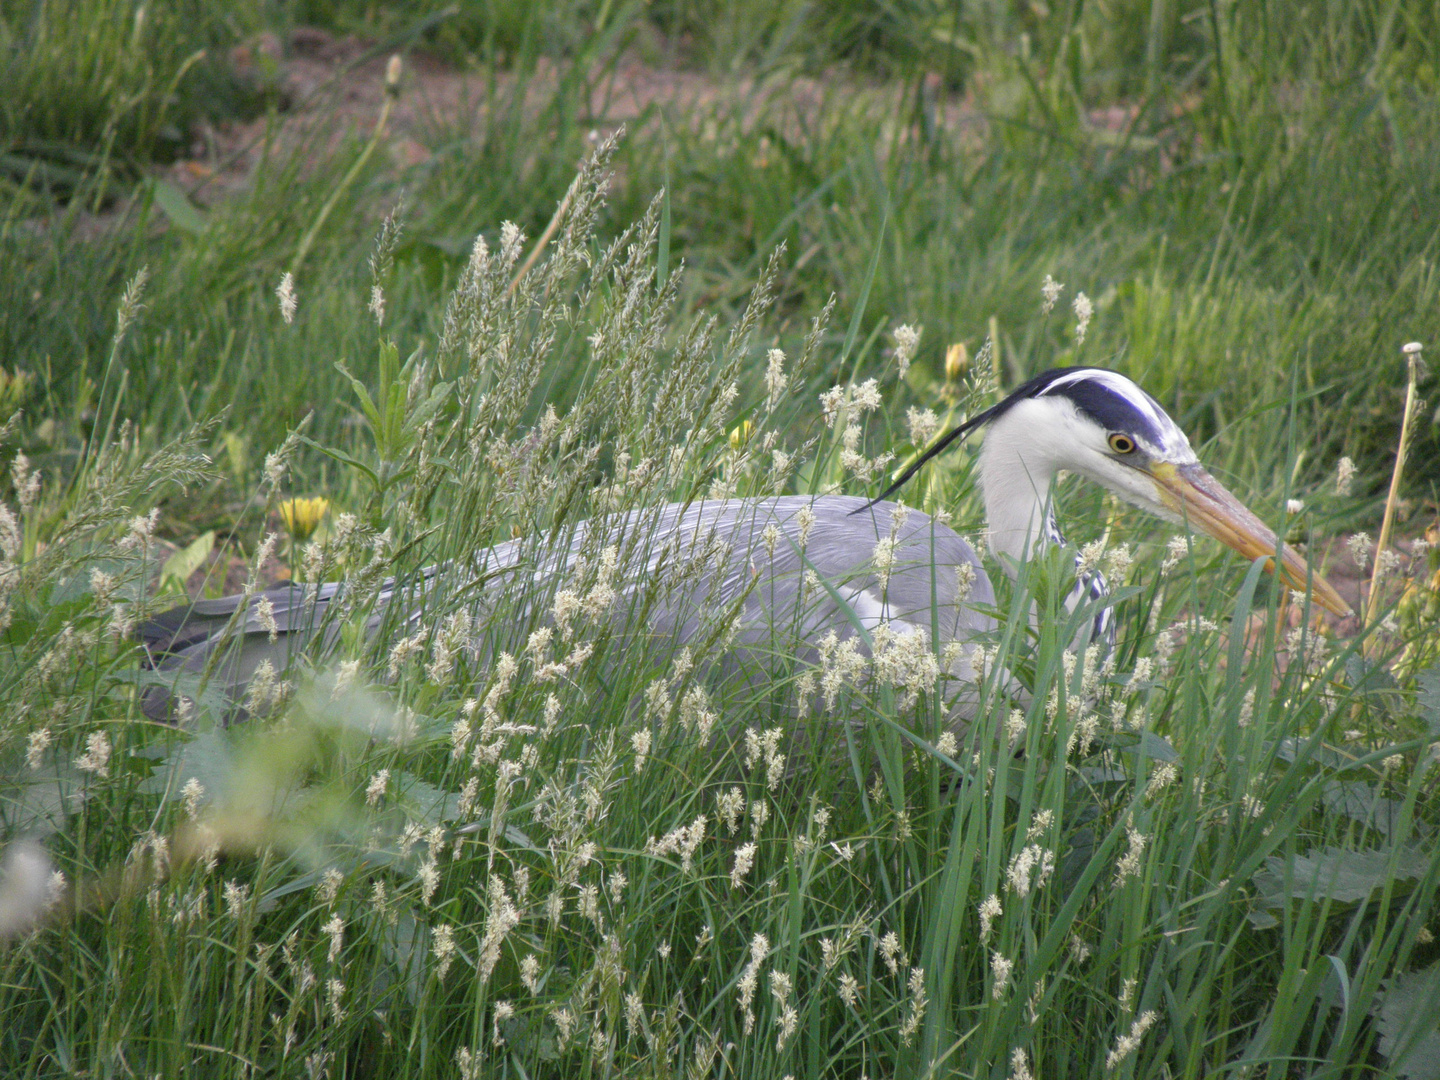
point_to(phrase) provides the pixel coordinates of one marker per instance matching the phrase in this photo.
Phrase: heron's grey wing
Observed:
(229, 638)
(750, 558)
(736, 568)
(934, 579)
(917, 574)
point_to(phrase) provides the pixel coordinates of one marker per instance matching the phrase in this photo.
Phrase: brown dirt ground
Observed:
(331, 87)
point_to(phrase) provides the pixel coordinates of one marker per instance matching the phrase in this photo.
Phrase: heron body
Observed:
(795, 568)
(753, 572)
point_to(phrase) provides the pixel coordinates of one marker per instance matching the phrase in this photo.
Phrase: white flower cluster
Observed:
(766, 745)
(684, 841)
(907, 341)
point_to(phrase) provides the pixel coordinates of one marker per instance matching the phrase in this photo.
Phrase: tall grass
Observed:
(1213, 851)
(540, 842)
(95, 91)
(1226, 258)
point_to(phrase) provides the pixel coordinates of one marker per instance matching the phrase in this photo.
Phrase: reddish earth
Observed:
(334, 87)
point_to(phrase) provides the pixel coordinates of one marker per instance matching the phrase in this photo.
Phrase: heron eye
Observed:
(1122, 444)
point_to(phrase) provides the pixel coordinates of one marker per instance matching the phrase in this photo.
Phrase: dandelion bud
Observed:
(957, 361)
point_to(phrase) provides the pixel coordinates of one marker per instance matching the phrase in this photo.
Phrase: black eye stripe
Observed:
(1109, 409)
(1100, 402)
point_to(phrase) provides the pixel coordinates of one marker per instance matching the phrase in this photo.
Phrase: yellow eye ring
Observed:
(1122, 444)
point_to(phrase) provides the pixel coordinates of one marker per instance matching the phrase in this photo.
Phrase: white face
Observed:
(1115, 404)
(1049, 435)
(1104, 427)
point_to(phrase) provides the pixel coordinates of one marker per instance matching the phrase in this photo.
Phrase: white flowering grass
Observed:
(515, 837)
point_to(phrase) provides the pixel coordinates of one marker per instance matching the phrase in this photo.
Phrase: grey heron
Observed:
(880, 564)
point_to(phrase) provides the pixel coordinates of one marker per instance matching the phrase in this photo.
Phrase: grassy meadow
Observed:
(525, 844)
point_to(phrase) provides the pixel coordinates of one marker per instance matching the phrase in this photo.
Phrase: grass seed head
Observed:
(1001, 968)
(285, 293)
(1050, 291)
(907, 341)
(1084, 309)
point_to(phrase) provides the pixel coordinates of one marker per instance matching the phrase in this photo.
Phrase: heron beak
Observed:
(1201, 501)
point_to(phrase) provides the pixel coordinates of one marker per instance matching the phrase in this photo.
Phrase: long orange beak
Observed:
(1201, 501)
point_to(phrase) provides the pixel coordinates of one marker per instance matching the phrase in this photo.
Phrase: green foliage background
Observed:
(1247, 191)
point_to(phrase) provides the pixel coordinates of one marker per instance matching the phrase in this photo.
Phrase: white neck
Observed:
(1019, 462)
(1017, 476)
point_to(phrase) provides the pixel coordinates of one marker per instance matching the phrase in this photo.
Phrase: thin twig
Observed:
(1412, 358)
(540, 245)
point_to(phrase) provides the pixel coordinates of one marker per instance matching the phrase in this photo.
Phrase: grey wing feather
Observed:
(690, 566)
(681, 569)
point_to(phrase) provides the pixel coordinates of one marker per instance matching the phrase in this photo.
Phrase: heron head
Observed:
(1100, 424)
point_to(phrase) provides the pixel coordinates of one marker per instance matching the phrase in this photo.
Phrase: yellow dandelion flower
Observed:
(303, 516)
(740, 434)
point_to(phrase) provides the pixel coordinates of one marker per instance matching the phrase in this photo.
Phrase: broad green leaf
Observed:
(37, 804)
(367, 403)
(1337, 874)
(426, 801)
(209, 759)
(179, 566)
(403, 946)
(176, 206)
(1407, 1013)
(344, 459)
(1362, 803)
(423, 411)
